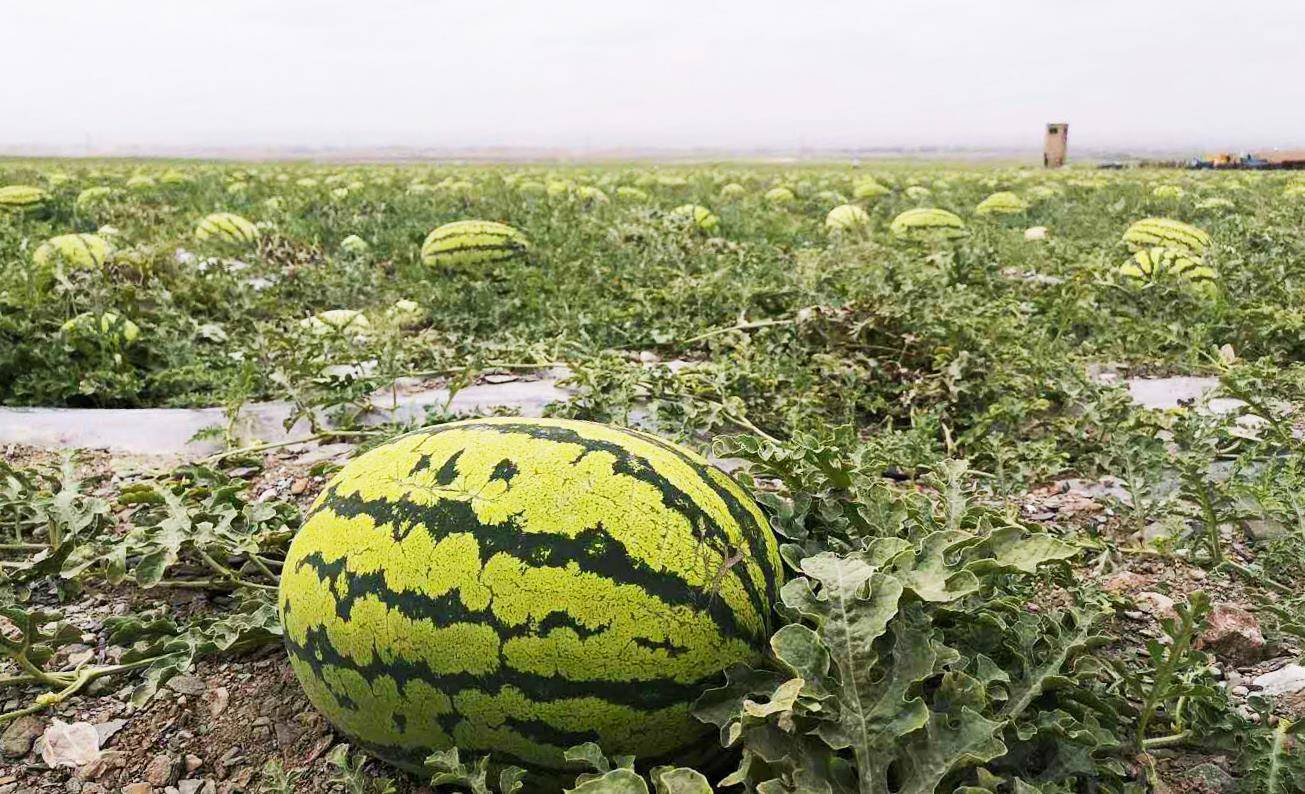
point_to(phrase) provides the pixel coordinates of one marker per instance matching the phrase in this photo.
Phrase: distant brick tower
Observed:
(1056, 146)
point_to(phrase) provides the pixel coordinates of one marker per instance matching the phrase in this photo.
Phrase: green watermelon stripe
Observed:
(414, 758)
(614, 563)
(436, 248)
(631, 465)
(752, 531)
(318, 652)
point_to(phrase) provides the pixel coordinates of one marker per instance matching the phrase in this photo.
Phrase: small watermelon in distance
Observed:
(732, 191)
(466, 243)
(1003, 203)
(524, 585)
(779, 196)
(846, 218)
(928, 222)
(226, 227)
(353, 244)
(868, 189)
(696, 214)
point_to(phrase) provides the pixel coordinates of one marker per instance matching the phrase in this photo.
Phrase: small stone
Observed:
(189, 786)
(1264, 529)
(1286, 680)
(107, 760)
(193, 762)
(299, 486)
(1209, 778)
(162, 770)
(187, 685)
(106, 730)
(1157, 604)
(137, 788)
(17, 739)
(1241, 691)
(1125, 582)
(1233, 634)
(217, 701)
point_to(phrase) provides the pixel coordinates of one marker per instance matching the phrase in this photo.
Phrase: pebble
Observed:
(193, 762)
(1286, 680)
(137, 788)
(1241, 691)
(187, 685)
(162, 770)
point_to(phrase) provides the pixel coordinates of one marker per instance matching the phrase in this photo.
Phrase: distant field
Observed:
(919, 364)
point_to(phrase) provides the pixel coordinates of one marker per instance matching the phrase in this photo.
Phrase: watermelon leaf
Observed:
(617, 781)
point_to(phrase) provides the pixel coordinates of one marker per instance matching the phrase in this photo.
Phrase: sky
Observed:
(600, 74)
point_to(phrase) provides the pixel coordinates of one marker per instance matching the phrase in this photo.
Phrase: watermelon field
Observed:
(889, 478)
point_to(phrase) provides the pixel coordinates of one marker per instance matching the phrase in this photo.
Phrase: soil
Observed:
(227, 725)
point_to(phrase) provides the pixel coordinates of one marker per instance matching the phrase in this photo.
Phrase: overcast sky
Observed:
(611, 73)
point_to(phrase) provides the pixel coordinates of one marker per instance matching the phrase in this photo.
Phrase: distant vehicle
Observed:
(1227, 160)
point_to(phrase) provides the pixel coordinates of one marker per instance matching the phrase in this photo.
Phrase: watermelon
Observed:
(846, 218)
(336, 322)
(353, 244)
(522, 586)
(696, 214)
(1168, 192)
(779, 196)
(1157, 262)
(591, 195)
(1166, 232)
(226, 227)
(22, 198)
(93, 197)
(927, 222)
(1003, 203)
(733, 190)
(109, 325)
(634, 194)
(73, 250)
(463, 243)
(868, 189)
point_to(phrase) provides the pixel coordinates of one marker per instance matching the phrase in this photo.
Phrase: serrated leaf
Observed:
(511, 779)
(947, 742)
(1013, 550)
(781, 700)
(679, 780)
(722, 706)
(798, 648)
(589, 754)
(617, 781)
(931, 576)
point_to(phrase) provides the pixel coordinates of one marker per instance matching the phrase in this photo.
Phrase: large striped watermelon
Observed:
(468, 243)
(22, 198)
(73, 250)
(226, 227)
(1167, 232)
(521, 586)
(1158, 262)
